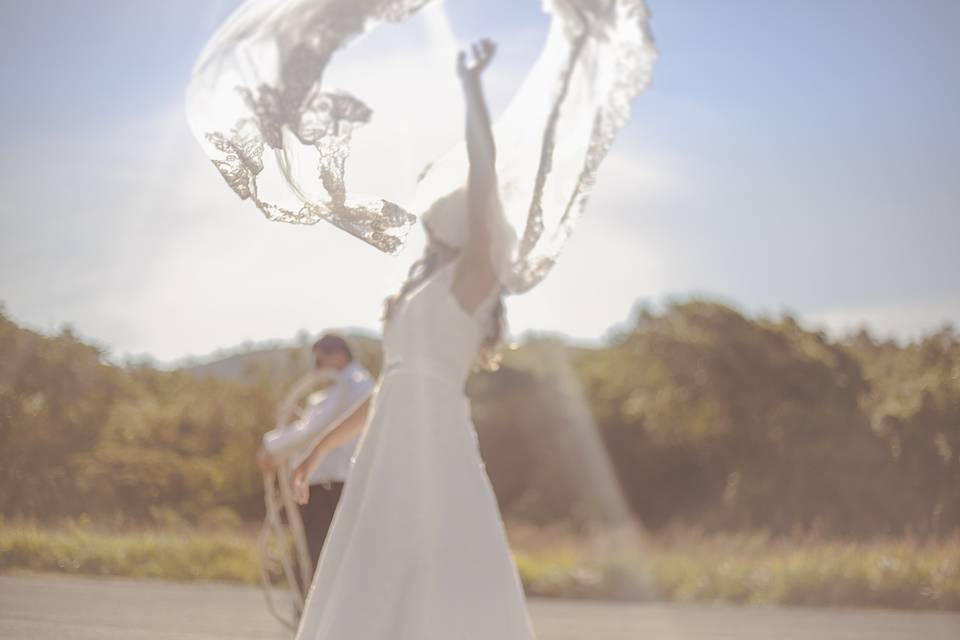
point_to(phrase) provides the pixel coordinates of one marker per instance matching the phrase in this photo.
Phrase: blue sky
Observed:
(789, 156)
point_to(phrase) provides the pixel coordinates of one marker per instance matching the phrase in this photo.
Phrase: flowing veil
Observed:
(258, 105)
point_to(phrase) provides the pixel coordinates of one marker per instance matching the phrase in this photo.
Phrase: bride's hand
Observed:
(301, 488)
(482, 51)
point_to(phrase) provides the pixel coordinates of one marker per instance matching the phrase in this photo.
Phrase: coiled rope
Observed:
(282, 543)
(282, 547)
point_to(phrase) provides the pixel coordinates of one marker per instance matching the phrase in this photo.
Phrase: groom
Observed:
(351, 385)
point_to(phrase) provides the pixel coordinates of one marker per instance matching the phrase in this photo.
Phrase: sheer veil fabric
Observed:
(281, 138)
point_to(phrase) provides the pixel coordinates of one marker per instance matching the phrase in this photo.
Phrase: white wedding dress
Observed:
(417, 550)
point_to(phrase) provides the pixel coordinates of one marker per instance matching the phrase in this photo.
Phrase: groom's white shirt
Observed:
(352, 385)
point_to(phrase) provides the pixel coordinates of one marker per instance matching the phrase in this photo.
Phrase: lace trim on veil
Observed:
(257, 104)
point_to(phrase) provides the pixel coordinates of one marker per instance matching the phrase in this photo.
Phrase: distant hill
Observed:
(238, 366)
(278, 360)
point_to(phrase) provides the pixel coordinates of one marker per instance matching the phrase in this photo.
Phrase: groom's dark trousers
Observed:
(317, 515)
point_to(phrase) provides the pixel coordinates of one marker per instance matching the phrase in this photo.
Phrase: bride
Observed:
(418, 549)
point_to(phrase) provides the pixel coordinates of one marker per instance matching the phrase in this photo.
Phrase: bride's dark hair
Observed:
(488, 355)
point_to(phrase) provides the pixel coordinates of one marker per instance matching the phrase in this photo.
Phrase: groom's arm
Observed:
(342, 397)
(288, 410)
(281, 443)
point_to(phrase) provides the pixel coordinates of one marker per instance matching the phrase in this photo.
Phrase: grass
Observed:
(886, 573)
(683, 567)
(167, 555)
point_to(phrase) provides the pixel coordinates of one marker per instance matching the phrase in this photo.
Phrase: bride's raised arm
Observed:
(475, 275)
